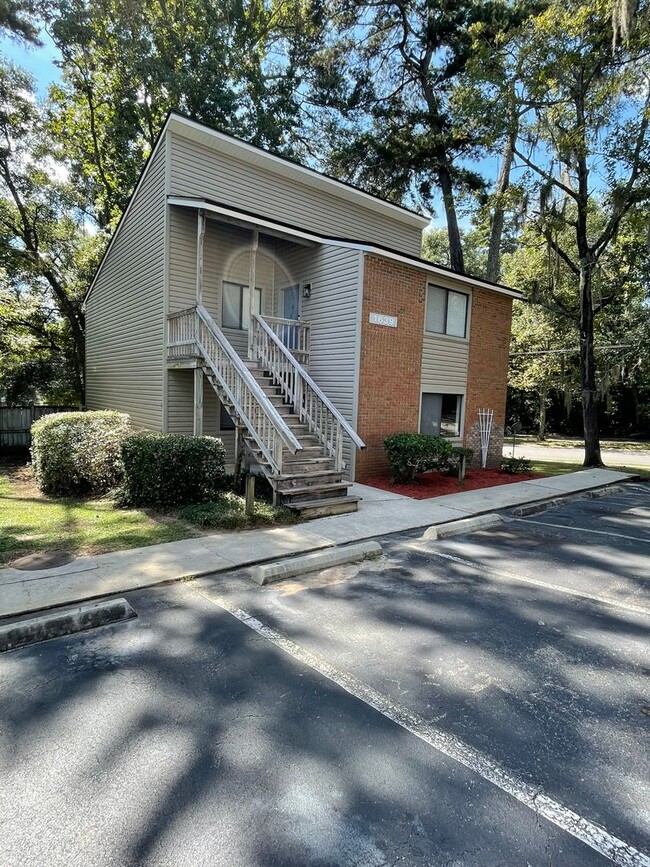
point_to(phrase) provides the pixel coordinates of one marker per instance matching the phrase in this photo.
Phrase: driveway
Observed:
(478, 701)
(611, 457)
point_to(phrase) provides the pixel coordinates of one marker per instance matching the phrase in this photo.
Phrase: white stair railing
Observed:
(295, 335)
(312, 406)
(194, 332)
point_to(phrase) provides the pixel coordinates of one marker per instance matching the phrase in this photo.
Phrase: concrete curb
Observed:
(535, 508)
(464, 525)
(323, 559)
(65, 621)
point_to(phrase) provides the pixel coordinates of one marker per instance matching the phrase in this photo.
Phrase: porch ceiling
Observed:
(247, 221)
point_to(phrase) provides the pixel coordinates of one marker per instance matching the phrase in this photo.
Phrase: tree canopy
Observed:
(413, 101)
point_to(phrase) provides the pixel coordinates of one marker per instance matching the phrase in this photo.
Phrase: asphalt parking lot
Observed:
(477, 701)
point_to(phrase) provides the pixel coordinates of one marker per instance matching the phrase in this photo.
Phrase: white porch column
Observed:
(198, 402)
(200, 236)
(251, 288)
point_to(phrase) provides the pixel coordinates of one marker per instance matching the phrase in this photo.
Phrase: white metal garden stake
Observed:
(485, 417)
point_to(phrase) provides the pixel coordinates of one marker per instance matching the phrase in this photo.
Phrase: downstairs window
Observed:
(441, 414)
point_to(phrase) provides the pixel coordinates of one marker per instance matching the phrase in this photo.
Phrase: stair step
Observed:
(314, 492)
(322, 508)
(287, 481)
(307, 451)
(298, 464)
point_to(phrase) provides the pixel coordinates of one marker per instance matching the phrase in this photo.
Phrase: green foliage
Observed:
(78, 452)
(459, 452)
(126, 65)
(515, 466)
(164, 470)
(46, 255)
(410, 454)
(17, 20)
(435, 247)
(227, 513)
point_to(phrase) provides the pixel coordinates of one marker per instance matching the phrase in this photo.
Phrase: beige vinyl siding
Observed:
(125, 310)
(204, 172)
(332, 313)
(444, 364)
(180, 384)
(182, 259)
(180, 389)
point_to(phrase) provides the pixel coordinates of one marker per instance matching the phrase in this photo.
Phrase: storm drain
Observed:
(63, 621)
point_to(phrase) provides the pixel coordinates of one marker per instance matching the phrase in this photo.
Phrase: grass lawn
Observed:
(557, 442)
(32, 523)
(557, 468)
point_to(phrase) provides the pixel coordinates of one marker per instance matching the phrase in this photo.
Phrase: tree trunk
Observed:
(543, 393)
(456, 260)
(637, 408)
(493, 270)
(588, 371)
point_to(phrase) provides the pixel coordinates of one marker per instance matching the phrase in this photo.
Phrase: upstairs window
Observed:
(447, 311)
(235, 308)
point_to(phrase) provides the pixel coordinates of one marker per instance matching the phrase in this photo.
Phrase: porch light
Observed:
(306, 290)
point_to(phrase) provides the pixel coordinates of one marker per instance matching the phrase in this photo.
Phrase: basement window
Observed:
(441, 414)
(235, 307)
(447, 311)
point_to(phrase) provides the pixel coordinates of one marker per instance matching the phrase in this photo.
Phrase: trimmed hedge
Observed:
(78, 452)
(410, 454)
(172, 469)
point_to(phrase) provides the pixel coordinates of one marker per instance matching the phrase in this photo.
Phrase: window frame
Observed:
(460, 415)
(447, 292)
(241, 287)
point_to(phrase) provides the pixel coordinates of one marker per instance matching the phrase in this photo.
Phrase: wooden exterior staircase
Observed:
(287, 426)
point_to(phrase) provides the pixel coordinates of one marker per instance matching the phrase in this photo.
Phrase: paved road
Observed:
(611, 457)
(417, 711)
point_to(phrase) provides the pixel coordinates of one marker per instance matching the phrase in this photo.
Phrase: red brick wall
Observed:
(487, 374)
(391, 358)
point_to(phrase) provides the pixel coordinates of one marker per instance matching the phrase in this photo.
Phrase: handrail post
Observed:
(338, 461)
(278, 453)
(299, 393)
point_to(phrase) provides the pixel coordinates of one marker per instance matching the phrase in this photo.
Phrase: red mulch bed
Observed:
(436, 485)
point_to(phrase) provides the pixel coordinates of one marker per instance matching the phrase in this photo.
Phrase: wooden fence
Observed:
(16, 423)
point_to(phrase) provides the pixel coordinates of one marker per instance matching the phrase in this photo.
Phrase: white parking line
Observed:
(594, 836)
(581, 529)
(525, 579)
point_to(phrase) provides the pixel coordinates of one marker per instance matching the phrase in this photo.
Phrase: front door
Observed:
(290, 310)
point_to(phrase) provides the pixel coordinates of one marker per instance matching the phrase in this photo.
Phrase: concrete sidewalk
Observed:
(380, 513)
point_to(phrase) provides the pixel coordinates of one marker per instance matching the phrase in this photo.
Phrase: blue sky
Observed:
(39, 61)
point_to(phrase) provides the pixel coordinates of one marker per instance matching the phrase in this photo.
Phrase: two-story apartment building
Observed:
(347, 336)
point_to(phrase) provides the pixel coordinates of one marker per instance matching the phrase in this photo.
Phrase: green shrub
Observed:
(514, 466)
(410, 454)
(78, 452)
(172, 469)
